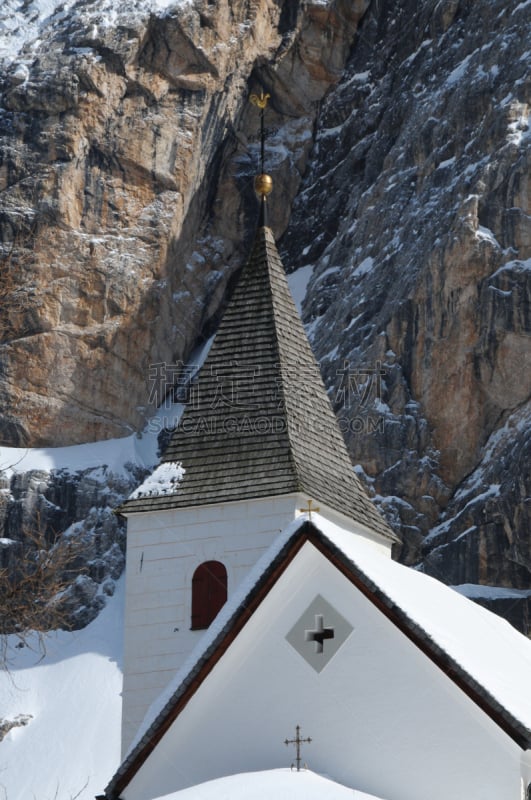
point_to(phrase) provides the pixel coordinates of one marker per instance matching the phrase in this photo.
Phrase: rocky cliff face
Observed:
(425, 149)
(78, 506)
(113, 137)
(399, 145)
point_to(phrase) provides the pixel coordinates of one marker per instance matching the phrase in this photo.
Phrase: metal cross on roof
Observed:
(297, 741)
(310, 509)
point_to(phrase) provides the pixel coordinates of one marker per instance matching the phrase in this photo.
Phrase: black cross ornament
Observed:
(297, 741)
(319, 634)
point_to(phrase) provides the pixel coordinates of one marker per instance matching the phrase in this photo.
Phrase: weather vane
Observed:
(260, 101)
(263, 183)
(297, 741)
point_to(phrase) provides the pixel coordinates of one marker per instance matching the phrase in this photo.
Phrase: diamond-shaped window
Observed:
(319, 633)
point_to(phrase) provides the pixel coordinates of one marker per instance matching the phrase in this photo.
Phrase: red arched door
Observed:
(209, 593)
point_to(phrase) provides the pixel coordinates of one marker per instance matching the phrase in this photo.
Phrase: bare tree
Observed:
(37, 569)
(56, 794)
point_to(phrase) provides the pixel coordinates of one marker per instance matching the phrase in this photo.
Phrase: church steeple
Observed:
(260, 424)
(257, 442)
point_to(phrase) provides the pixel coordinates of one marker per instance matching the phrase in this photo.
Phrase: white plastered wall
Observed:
(163, 551)
(383, 718)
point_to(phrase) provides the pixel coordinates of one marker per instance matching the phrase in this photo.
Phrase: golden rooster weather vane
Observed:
(263, 183)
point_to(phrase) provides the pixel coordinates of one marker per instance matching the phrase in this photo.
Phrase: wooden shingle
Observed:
(260, 423)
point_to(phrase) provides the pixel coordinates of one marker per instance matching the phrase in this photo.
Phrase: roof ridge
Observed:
(303, 414)
(281, 386)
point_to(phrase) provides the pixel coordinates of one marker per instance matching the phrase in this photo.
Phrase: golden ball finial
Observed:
(263, 185)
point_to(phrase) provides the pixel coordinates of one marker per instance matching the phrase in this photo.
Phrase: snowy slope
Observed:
(281, 784)
(71, 744)
(137, 449)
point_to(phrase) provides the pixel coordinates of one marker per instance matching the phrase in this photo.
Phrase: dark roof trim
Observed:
(308, 532)
(418, 636)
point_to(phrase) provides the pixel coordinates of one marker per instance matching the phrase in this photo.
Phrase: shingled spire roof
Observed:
(260, 423)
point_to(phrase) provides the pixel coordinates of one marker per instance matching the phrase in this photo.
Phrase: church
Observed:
(266, 623)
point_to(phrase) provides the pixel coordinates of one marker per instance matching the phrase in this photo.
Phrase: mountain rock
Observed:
(111, 140)
(41, 508)
(399, 145)
(420, 291)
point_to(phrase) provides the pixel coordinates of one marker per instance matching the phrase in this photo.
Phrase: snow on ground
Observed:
(115, 454)
(280, 784)
(476, 591)
(71, 744)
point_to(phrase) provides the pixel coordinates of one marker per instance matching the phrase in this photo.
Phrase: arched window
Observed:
(209, 593)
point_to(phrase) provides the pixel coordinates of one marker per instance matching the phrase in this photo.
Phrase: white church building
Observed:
(263, 605)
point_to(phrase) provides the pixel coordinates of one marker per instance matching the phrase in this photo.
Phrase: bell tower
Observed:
(259, 442)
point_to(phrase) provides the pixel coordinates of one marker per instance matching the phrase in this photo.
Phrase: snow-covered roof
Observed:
(282, 784)
(485, 646)
(162, 480)
(484, 655)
